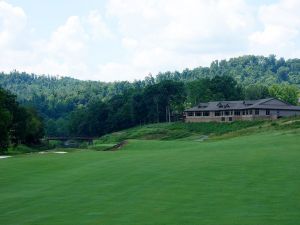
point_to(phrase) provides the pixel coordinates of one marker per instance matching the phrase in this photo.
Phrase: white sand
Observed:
(4, 156)
(47, 152)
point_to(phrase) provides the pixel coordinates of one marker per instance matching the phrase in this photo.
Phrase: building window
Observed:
(226, 113)
(223, 119)
(205, 113)
(190, 114)
(230, 118)
(217, 113)
(250, 112)
(198, 113)
(267, 112)
(256, 111)
(244, 112)
(237, 112)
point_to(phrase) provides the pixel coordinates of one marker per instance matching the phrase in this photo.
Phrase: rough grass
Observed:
(246, 180)
(178, 130)
(193, 131)
(20, 149)
(100, 147)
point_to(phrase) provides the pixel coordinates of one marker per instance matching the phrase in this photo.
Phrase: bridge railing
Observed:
(69, 138)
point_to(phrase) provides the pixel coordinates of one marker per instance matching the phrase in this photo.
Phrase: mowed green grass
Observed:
(245, 180)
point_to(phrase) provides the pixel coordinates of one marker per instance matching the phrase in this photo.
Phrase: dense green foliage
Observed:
(284, 92)
(17, 124)
(217, 88)
(157, 102)
(287, 93)
(151, 104)
(245, 180)
(161, 102)
(89, 108)
(246, 70)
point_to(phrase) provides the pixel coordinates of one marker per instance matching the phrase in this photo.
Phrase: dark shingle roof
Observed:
(239, 105)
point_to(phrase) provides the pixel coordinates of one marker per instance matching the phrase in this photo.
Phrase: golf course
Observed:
(247, 179)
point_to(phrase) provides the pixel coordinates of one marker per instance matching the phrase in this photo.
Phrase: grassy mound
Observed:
(194, 131)
(178, 130)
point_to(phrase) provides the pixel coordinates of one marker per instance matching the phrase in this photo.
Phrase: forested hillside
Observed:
(91, 108)
(245, 70)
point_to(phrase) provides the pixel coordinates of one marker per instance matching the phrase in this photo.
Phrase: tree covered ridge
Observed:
(92, 108)
(245, 70)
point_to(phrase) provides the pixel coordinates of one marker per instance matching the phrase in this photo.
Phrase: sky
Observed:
(113, 40)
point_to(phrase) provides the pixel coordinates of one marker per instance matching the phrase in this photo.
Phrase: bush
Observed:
(21, 149)
(274, 124)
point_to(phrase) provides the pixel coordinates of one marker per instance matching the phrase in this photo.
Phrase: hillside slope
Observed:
(199, 131)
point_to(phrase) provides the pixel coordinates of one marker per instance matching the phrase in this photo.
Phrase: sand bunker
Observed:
(4, 156)
(57, 152)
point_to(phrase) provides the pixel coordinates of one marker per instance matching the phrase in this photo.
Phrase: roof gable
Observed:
(274, 102)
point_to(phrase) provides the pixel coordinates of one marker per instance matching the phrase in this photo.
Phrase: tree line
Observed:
(165, 102)
(18, 124)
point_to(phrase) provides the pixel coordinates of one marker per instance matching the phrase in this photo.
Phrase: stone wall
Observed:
(194, 119)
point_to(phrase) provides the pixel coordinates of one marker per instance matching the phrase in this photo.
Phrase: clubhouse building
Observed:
(227, 111)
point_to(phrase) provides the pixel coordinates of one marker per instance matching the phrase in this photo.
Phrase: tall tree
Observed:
(287, 93)
(225, 88)
(199, 91)
(257, 91)
(17, 124)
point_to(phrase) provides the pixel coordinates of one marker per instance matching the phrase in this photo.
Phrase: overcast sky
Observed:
(111, 40)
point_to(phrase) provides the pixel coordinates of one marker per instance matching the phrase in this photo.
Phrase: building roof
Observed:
(268, 103)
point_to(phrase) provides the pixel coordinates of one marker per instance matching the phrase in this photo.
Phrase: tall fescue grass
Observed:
(177, 130)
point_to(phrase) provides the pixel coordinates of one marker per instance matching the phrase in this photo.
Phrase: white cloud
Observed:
(69, 41)
(69, 48)
(97, 26)
(66, 52)
(12, 22)
(136, 37)
(281, 29)
(181, 20)
(114, 72)
(175, 34)
(13, 37)
(129, 43)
